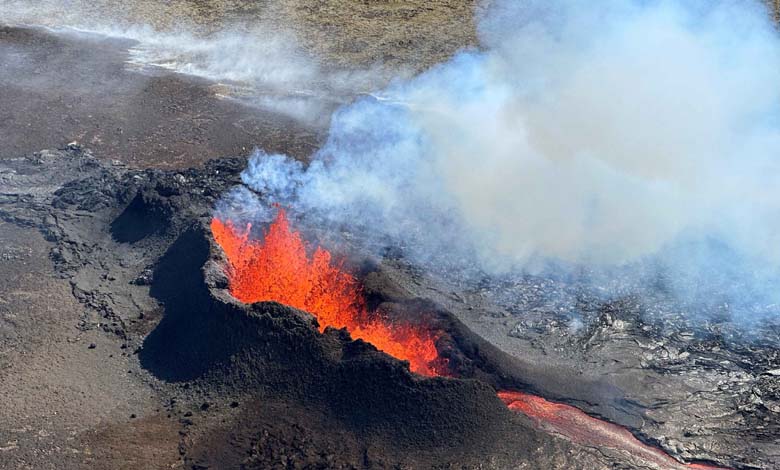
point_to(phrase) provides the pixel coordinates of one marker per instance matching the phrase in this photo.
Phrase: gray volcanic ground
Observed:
(120, 347)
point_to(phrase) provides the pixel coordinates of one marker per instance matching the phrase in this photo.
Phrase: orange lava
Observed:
(279, 269)
(579, 427)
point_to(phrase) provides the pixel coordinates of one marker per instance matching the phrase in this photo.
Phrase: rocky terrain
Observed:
(137, 286)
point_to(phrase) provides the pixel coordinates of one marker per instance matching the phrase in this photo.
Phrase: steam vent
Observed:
(494, 235)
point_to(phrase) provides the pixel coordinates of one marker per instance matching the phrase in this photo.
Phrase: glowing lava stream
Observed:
(279, 269)
(579, 427)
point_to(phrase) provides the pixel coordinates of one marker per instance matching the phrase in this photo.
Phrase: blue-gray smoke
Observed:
(631, 137)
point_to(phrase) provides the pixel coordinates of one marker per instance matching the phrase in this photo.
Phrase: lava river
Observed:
(279, 268)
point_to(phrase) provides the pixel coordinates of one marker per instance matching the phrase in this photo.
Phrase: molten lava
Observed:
(279, 269)
(579, 427)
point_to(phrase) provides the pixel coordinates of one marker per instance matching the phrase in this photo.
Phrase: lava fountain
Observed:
(279, 268)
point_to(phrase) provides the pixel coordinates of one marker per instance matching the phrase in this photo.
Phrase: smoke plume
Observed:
(636, 137)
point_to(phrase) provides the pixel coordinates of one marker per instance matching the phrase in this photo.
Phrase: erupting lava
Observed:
(279, 269)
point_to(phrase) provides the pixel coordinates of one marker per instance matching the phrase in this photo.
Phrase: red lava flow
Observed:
(581, 428)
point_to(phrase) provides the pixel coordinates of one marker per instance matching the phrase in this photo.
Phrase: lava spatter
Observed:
(278, 268)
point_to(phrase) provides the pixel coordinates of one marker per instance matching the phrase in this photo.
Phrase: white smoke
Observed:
(637, 135)
(591, 134)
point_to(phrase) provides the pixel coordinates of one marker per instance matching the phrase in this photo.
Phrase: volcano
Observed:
(279, 269)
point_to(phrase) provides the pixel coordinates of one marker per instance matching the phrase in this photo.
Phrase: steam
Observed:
(261, 64)
(637, 137)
